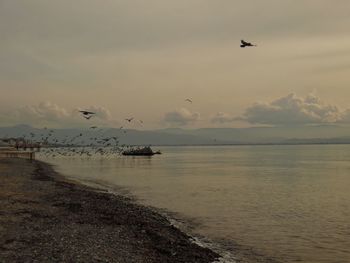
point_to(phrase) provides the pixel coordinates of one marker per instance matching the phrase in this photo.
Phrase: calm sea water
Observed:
(289, 203)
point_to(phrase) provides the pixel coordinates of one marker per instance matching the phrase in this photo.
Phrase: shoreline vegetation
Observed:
(44, 217)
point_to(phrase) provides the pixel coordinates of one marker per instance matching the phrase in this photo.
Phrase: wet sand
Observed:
(46, 218)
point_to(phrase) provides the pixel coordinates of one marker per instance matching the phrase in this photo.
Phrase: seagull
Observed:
(84, 112)
(88, 117)
(129, 120)
(189, 100)
(246, 44)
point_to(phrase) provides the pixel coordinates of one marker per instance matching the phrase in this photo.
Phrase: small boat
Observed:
(145, 151)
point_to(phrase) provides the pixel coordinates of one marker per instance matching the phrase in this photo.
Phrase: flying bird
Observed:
(189, 100)
(129, 120)
(88, 117)
(84, 112)
(246, 44)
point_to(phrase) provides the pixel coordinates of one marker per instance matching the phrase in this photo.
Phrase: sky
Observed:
(144, 58)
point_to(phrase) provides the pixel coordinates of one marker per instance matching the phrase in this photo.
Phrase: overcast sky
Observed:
(143, 58)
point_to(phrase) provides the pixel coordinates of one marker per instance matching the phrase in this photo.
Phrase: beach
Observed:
(44, 217)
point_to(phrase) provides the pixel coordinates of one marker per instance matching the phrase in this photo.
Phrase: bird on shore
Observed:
(246, 44)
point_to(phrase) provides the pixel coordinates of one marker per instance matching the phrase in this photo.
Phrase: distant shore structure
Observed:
(8, 151)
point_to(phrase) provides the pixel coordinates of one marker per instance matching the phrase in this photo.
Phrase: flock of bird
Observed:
(83, 144)
(92, 142)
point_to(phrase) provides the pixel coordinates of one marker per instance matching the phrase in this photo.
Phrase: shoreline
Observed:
(51, 218)
(183, 224)
(228, 250)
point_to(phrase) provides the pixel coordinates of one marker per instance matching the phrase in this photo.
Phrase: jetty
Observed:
(7, 151)
(144, 151)
(17, 154)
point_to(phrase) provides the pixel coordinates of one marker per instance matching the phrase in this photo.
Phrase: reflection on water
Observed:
(290, 203)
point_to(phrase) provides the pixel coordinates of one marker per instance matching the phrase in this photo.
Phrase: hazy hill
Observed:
(267, 134)
(256, 135)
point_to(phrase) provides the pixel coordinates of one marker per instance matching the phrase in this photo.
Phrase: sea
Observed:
(269, 203)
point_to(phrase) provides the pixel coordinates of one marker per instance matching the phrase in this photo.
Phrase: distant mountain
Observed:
(279, 134)
(87, 136)
(205, 136)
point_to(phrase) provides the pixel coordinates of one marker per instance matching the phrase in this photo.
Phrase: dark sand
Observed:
(45, 218)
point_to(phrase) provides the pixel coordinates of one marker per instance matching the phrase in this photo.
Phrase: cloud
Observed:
(293, 110)
(345, 117)
(51, 115)
(181, 117)
(45, 111)
(221, 118)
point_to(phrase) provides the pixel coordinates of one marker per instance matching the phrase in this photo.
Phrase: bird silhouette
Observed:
(129, 119)
(246, 44)
(88, 117)
(189, 100)
(84, 112)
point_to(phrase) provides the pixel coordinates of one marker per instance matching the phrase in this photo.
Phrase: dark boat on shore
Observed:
(145, 151)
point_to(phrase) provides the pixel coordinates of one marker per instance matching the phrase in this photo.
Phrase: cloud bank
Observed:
(181, 117)
(289, 110)
(222, 118)
(294, 110)
(52, 115)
